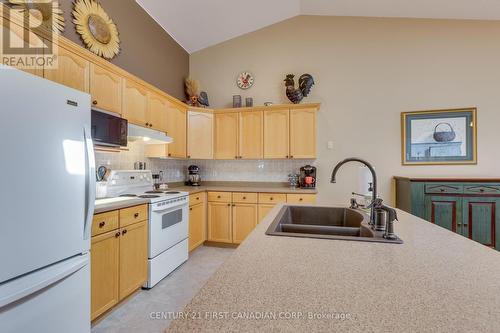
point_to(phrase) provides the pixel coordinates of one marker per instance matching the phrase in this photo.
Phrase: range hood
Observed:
(147, 135)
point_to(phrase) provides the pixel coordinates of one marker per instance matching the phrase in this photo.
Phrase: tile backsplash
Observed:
(210, 170)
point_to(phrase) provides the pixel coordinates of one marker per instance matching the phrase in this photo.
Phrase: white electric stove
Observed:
(168, 219)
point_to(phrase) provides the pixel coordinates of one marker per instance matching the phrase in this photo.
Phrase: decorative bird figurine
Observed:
(295, 95)
(203, 99)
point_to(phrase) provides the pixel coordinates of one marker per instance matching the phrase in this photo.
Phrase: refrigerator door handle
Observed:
(19, 288)
(89, 182)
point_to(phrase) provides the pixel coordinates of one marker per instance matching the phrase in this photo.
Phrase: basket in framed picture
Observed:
(439, 137)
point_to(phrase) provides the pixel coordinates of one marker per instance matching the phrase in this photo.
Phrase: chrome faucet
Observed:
(374, 177)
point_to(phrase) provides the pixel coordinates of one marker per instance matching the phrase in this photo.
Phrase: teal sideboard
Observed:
(469, 207)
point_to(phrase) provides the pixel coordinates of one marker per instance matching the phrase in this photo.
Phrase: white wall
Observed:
(367, 71)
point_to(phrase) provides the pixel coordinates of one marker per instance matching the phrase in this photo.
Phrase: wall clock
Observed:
(245, 80)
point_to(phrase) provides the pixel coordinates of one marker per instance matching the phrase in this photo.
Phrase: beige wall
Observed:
(367, 71)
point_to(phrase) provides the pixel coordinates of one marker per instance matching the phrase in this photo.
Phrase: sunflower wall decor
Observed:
(96, 28)
(49, 13)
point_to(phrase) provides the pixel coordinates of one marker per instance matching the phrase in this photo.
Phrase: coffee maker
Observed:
(307, 178)
(194, 178)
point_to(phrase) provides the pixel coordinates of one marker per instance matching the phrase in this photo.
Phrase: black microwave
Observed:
(109, 130)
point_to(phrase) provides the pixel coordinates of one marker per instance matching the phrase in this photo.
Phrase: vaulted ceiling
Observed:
(197, 24)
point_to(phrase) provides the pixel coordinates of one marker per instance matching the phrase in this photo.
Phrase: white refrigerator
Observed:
(47, 193)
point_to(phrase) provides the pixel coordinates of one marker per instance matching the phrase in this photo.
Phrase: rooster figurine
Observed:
(295, 95)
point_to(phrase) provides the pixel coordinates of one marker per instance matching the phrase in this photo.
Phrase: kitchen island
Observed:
(436, 281)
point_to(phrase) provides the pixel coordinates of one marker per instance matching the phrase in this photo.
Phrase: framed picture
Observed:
(439, 137)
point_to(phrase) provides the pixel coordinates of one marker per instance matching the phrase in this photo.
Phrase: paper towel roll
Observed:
(364, 180)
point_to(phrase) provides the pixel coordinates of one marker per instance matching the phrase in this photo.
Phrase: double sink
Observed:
(327, 223)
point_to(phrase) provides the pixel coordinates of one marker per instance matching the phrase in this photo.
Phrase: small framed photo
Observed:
(439, 137)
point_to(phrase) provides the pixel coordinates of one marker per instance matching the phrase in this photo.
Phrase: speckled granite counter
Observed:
(243, 187)
(105, 205)
(436, 281)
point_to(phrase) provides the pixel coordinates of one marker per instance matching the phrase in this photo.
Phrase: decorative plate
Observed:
(98, 31)
(49, 13)
(245, 80)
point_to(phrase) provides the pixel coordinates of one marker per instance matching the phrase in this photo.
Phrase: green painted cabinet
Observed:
(467, 207)
(445, 211)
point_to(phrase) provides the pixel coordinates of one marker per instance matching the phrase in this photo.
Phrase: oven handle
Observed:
(161, 210)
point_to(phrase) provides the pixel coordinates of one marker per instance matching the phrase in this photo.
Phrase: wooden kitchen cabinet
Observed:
(105, 89)
(301, 198)
(135, 102)
(157, 110)
(133, 257)
(105, 222)
(263, 210)
(72, 70)
(196, 226)
(200, 135)
(176, 128)
(480, 219)
(104, 272)
(276, 134)
(219, 222)
(445, 211)
(244, 220)
(303, 133)
(251, 135)
(226, 136)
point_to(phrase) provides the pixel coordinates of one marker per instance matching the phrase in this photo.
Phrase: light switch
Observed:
(330, 145)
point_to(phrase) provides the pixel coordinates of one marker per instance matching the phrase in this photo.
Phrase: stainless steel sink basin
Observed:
(325, 222)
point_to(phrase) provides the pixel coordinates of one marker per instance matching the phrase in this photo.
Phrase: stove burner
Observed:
(172, 192)
(149, 196)
(128, 195)
(154, 191)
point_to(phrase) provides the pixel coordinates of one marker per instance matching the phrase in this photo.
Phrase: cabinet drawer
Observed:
(196, 198)
(484, 189)
(244, 197)
(272, 198)
(133, 214)
(104, 222)
(301, 198)
(219, 196)
(443, 188)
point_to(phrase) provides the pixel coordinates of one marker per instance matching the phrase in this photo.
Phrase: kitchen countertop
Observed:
(260, 187)
(436, 281)
(108, 204)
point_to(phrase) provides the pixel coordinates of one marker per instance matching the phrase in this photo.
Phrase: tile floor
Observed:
(171, 294)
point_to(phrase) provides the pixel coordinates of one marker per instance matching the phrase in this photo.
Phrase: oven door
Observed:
(167, 227)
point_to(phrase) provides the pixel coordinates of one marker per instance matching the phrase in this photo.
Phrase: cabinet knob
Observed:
(218, 197)
(481, 190)
(136, 215)
(244, 198)
(301, 199)
(190, 208)
(102, 224)
(291, 156)
(286, 156)
(147, 124)
(124, 232)
(228, 205)
(169, 154)
(236, 157)
(189, 156)
(442, 190)
(94, 102)
(150, 125)
(233, 205)
(117, 234)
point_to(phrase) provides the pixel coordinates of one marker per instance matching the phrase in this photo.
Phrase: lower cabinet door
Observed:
(104, 272)
(196, 226)
(445, 212)
(219, 222)
(244, 221)
(264, 209)
(481, 219)
(133, 257)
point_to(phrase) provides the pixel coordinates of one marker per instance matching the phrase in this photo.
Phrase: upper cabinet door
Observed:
(72, 70)
(251, 135)
(200, 135)
(16, 35)
(176, 128)
(303, 133)
(226, 135)
(106, 89)
(135, 100)
(276, 134)
(157, 112)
